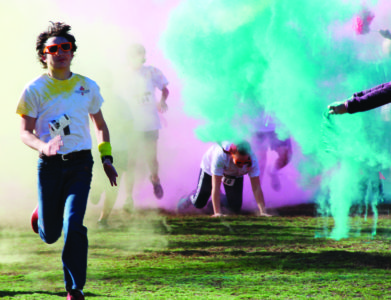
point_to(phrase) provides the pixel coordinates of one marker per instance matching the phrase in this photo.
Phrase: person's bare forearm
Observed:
(101, 129)
(165, 93)
(216, 183)
(48, 149)
(31, 140)
(102, 134)
(216, 200)
(258, 195)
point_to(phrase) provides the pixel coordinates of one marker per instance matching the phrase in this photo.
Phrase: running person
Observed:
(267, 137)
(143, 82)
(55, 110)
(263, 127)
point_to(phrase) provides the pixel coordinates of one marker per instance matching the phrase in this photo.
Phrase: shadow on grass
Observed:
(206, 236)
(296, 261)
(59, 294)
(255, 241)
(203, 233)
(237, 267)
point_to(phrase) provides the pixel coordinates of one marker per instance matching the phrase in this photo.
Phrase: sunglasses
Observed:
(53, 49)
(241, 163)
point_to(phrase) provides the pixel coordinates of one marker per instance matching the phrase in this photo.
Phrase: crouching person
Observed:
(226, 163)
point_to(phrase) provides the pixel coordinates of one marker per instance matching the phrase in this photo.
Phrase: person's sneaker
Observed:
(102, 224)
(183, 204)
(157, 189)
(75, 295)
(34, 220)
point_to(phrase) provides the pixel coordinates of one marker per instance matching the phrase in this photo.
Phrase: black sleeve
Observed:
(369, 99)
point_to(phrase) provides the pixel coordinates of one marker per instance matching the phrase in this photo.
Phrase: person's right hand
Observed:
(162, 106)
(337, 108)
(51, 148)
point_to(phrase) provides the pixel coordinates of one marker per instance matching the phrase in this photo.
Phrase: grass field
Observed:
(154, 256)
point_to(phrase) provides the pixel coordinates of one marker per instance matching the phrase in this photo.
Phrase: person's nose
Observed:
(60, 51)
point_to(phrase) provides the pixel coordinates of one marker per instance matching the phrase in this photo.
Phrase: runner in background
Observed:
(144, 130)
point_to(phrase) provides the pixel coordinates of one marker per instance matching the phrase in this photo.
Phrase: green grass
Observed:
(149, 256)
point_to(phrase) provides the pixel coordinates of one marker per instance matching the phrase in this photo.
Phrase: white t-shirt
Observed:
(143, 83)
(216, 162)
(65, 106)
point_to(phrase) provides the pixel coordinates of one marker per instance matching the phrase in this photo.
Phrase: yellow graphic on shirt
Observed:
(49, 89)
(66, 88)
(23, 108)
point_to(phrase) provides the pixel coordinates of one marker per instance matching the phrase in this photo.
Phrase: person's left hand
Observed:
(110, 172)
(162, 106)
(337, 108)
(218, 215)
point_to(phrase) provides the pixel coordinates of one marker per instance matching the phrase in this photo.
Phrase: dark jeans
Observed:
(63, 188)
(233, 193)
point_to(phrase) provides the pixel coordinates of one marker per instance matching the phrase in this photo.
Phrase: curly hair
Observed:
(56, 29)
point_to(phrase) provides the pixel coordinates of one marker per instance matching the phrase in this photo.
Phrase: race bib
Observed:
(228, 181)
(60, 126)
(146, 98)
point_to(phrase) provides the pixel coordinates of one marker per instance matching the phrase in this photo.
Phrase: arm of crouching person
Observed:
(216, 183)
(258, 195)
(104, 146)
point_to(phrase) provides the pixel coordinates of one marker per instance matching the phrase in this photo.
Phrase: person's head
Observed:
(55, 46)
(137, 55)
(240, 154)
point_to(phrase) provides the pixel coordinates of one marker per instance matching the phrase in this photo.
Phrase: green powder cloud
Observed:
(290, 57)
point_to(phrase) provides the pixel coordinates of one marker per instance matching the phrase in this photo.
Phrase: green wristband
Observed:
(104, 149)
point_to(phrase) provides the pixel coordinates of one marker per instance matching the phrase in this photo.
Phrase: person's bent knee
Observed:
(50, 238)
(200, 201)
(199, 205)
